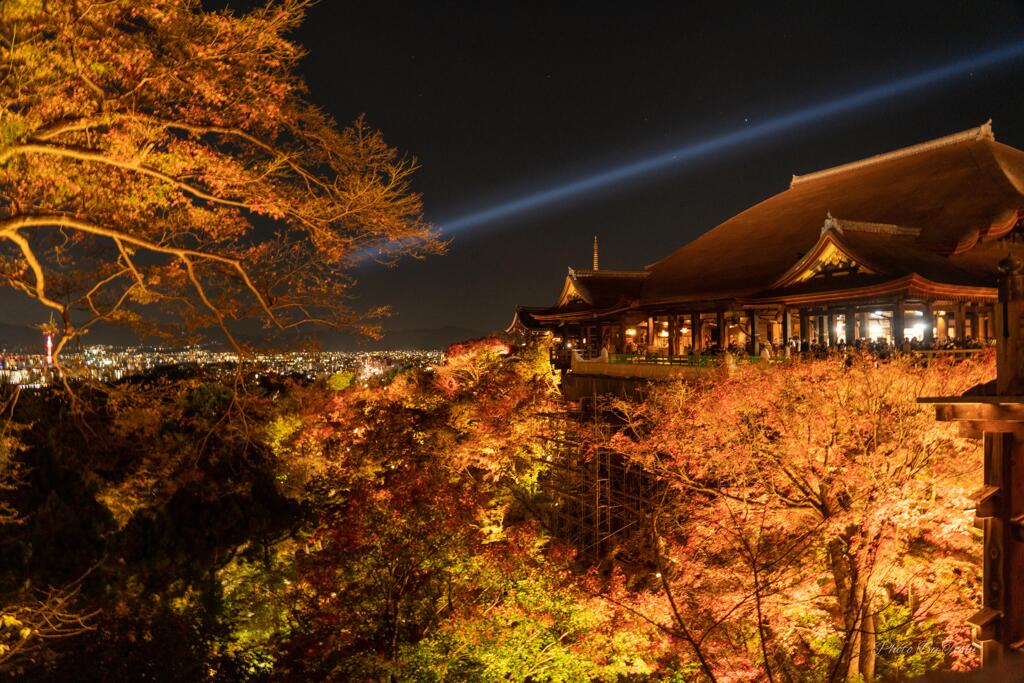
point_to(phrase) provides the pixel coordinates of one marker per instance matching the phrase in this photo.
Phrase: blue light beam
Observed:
(724, 141)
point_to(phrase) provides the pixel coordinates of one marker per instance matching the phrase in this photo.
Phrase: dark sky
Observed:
(500, 98)
(495, 99)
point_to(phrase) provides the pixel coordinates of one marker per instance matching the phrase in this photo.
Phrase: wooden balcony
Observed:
(645, 367)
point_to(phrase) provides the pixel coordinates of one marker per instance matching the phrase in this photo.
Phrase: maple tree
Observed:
(819, 517)
(416, 568)
(160, 167)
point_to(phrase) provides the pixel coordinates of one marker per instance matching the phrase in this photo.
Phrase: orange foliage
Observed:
(161, 168)
(819, 512)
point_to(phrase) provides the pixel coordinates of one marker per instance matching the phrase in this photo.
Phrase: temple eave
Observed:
(910, 286)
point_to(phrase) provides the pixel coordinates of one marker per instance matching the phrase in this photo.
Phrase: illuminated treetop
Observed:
(160, 164)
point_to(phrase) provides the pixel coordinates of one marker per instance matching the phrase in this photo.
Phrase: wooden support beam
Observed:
(980, 410)
(673, 336)
(942, 327)
(696, 333)
(754, 341)
(999, 504)
(898, 322)
(1009, 322)
(928, 321)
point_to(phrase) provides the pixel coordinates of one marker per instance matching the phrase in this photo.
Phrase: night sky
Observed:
(500, 99)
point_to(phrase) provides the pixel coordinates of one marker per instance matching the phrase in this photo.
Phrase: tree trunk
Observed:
(856, 620)
(867, 640)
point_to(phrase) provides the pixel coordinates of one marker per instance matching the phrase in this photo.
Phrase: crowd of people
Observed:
(881, 347)
(796, 347)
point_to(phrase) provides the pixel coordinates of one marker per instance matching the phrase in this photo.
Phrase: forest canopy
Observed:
(411, 529)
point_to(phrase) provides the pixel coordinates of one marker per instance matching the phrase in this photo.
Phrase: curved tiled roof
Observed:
(605, 288)
(957, 191)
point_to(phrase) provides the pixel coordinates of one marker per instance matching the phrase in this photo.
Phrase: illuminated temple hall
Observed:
(896, 247)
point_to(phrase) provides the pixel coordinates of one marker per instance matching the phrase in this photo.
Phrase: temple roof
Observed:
(943, 197)
(601, 288)
(852, 255)
(586, 294)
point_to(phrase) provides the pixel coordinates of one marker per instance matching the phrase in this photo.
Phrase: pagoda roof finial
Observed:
(831, 223)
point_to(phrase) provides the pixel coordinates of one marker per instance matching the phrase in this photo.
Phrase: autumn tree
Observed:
(818, 517)
(422, 565)
(161, 167)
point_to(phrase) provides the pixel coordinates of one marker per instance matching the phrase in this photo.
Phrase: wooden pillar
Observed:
(1009, 320)
(999, 504)
(960, 323)
(649, 343)
(831, 318)
(805, 329)
(850, 321)
(754, 350)
(975, 319)
(1000, 622)
(928, 321)
(673, 334)
(787, 326)
(822, 332)
(898, 322)
(723, 332)
(620, 341)
(696, 334)
(942, 326)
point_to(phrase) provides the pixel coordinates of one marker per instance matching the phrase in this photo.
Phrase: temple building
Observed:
(894, 247)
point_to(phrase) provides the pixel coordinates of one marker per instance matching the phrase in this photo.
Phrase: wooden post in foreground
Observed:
(996, 415)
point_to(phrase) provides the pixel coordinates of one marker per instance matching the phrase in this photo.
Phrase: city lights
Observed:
(110, 364)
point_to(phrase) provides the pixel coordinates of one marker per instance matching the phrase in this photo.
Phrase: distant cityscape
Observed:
(111, 363)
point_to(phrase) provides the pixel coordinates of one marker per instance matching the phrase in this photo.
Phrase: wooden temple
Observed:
(896, 247)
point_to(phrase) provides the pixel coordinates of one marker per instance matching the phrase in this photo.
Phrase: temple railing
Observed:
(663, 366)
(650, 359)
(708, 360)
(949, 352)
(703, 361)
(647, 367)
